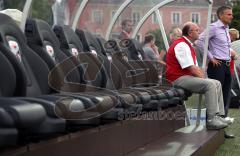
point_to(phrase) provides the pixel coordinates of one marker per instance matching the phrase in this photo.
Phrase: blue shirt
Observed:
(219, 41)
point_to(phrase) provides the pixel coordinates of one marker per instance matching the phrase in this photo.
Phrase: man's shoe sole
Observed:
(215, 128)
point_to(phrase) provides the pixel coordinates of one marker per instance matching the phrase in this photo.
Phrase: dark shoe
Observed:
(228, 136)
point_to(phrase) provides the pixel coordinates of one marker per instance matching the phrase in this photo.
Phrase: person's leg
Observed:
(220, 97)
(202, 86)
(222, 74)
(227, 90)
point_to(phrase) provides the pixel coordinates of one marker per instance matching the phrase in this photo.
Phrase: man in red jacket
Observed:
(183, 71)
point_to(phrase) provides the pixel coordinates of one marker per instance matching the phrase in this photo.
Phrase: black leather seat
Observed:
(147, 75)
(70, 44)
(135, 52)
(124, 79)
(41, 37)
(17, 117)
(32, 79)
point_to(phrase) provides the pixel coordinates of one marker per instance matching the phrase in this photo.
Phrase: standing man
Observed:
(61, 14)
(127, 26)
(219, 53)
(183, 71)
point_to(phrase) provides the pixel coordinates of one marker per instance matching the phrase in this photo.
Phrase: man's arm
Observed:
(201, 42)
(196, 71)
(184, 57)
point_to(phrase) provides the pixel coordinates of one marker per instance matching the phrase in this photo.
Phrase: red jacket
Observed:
(174, 70)
(232, 66)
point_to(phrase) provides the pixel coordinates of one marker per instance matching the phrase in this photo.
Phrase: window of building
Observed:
(135, 17)
(214, 17)
(176, 18)
(195, 17)
(97, 16)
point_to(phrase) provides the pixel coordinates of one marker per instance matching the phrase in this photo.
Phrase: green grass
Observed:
(231, 147)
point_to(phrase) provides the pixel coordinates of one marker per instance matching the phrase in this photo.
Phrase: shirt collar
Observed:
(188, 40)
(219, 23)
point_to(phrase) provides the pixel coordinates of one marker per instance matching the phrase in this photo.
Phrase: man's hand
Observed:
(196, 71)
(155, 48)
(233, 55)
(216, 62)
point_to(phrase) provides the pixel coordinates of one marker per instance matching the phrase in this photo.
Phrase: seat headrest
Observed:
(89, 42)
(39, 31)
(8, 79)
(67, 37)
(8, 27)
(134, 49)
(111, 46)
(12, 36)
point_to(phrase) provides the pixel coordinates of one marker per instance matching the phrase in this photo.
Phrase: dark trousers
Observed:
(223, 74)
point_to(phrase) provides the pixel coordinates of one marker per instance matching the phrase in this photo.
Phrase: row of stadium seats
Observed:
(56, 80)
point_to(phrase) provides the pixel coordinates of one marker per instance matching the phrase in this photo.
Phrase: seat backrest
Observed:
(89, 42)
(147, 68)
(116, 79)
(8, 77)
(133, 48)
(44, 42)
(31, 71)
(69, 41)
(92, 48)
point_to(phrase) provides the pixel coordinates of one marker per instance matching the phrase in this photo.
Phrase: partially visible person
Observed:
(127, 26)
(234, 102)
(175, 34)
(61, 14)
(183, 71)
(234, 35)
(151, 50)
(219, 53)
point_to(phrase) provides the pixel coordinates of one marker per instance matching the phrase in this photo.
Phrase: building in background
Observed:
(96, 17)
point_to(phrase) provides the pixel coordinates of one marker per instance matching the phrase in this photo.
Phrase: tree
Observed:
(236, 14)
(14, 4)
(41, 9)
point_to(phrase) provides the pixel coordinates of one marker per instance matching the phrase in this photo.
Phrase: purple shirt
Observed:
(219, 41)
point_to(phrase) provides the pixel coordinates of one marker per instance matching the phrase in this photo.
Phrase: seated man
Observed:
(151, 50)
(183, 71)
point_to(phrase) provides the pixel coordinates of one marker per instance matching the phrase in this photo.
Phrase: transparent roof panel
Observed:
(97, 15)
(135, 12)
(42, 10)
(174, 15)
(12, 4)
(13, 8)
(55, 12)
